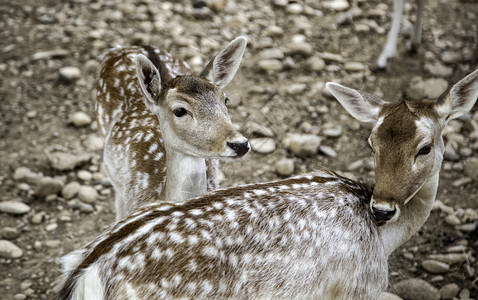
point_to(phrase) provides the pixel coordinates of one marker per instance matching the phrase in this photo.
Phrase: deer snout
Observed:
(384, 211)
(241, 148)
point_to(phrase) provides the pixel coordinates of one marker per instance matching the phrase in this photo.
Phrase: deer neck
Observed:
(185, 176)
(413, 216)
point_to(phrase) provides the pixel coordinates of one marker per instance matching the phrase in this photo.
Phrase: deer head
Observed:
(406, 139)
(192, 109)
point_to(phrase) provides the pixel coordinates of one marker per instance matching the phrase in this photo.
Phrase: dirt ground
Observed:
(40, 37)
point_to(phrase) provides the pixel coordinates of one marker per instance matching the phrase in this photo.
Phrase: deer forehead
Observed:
(196, 87)
(401, 129)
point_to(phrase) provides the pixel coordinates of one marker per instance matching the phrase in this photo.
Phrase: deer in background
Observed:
(314, 236)
(390, 47)
(165, 128)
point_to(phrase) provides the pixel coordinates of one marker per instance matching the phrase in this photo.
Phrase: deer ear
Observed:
(149, 81)
(362, 106)
(222, 68)
(459, 99)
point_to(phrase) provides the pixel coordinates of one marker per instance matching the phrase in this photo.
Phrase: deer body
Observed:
(315, 236)
(150, 153)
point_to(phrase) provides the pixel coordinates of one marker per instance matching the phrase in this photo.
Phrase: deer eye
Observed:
(180, 112)
(424, 150)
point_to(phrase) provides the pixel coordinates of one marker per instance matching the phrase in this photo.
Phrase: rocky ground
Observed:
(53, 191)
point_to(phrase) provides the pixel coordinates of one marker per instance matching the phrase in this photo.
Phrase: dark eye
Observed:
(180, 112)
(424, 150)
(226, 100)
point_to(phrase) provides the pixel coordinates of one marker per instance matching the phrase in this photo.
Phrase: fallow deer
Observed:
(165, 128)
(314, 236)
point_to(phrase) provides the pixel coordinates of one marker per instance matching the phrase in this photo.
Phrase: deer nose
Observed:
(239, 148)
(383, 212)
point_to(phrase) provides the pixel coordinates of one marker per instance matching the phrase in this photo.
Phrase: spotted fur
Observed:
(136, 156)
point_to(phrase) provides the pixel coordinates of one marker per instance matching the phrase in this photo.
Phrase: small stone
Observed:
(328, 151)
(84, 175)
(48, 186)
(77, 204)
(435, 267)
(14, 207)
(38, 218)
(327, 56)
(263, 145)
(356, 165)
(415, 288)
(21, 173)
(314, 63)
(94, 143)
(439, 69)
(456, 249)
(296, 88)
(294, 8)
(9, 233)
(301, 48)
(471, 168)
(70, 190)
(20, 296)
(285, 167)
(449, 291)
(88, 194)
(270, 65)
(9, 250)
(280, 3)
(464, 294)
(451, 57)
(51, 227)
(336, 5)
(79, 119)
(389, 296)
(62, 161)
(354, 66)
(52, 243)
(69, 74)
(470, 227)
(50, 54)
(305, 144)
(452, 220)
(271, 53)
(332, 132)
(450, 258)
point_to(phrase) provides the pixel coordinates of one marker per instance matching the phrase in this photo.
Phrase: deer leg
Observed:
(416, 39)
(391, 45)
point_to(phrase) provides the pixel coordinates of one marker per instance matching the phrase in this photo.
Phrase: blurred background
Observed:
(50, 56)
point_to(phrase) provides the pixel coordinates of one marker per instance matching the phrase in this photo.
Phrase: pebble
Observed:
(314, 63)
(14, 207)
(336, 5)
(88, 194)
(449, 291)
(63, 161)
(452, 220)
(450, 258)
(451, 57)
(94, 143)
(439, 69)
(21, 173)
(83, 207)
(48, 186)
(426, 89)
(84, 175)
(280, 3)
(332, 132)
(50, 54)
(327, 56)
(51, 227)
(296, 88)
(79, 119)
(328, 151)
(356, 165)
(9, 250)
(354, 66)
(37, 218)
(415, 288)
(270, 65)
(69, 74)
(271, 53)
(301, 48)
(52, 243)
(9, 233)
(471, 168)
(294, 8)
(470, 227)
(304, 144)
(20, 296)
(389, 296)
(435, 267)
(70, 190)
(285, 167)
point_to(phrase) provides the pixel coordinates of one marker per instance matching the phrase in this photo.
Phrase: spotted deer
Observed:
(314, 236)
(165, 128)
